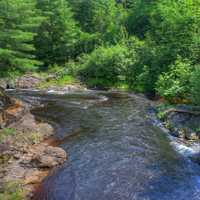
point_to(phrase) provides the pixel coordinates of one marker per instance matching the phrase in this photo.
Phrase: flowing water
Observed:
(115, 153)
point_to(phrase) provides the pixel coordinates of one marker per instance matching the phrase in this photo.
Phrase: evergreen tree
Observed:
(105, 18)
(58, 33)
(18, 21)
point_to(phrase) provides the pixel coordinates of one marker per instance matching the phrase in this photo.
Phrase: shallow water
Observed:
(116, 155)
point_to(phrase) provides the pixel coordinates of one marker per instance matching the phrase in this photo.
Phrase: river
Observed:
(115, 153)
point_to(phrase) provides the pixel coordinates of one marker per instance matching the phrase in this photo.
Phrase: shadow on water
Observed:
(114, 152)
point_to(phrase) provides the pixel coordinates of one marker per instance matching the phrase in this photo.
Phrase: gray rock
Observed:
(191, 135)
(28, 81)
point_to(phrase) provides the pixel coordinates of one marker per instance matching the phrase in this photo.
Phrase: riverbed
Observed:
(115, 152)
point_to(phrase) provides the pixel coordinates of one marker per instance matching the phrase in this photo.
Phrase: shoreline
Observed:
(35, 177)
(28, 152)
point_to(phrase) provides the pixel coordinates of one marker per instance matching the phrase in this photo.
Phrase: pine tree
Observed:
(18, 22)
(58, 33)
(103, 17)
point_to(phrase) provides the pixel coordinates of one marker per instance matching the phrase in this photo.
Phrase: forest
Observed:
(99, 99)
(146, 46)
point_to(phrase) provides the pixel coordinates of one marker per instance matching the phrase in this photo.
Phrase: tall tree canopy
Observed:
(18, 22)
(103, 17)
(159, 39)
(58, 34)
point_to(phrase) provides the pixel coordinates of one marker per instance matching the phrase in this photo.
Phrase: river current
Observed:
(115, 152)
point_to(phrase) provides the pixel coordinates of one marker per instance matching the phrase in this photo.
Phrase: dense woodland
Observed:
(150, 46)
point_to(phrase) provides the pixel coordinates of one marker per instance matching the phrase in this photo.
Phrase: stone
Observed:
(34, 176)
(10, 109)
(28, 81)
(190, 135)
(48, 157)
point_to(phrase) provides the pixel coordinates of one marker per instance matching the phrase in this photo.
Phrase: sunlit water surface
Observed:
(115, 153)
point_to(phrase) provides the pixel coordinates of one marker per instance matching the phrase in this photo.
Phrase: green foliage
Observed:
(108, 43)
(18, 21)
(175, 82)
(105, 18)
(195, 85)
(138, 20)
(104, 67)
(12, 191)
(57, 36)
(174, 25)
(137, 74)
(161, 110)
(59, 76)
(5, 133)
(169, 29)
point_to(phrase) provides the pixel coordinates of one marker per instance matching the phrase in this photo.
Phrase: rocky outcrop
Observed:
(25, 154)
(10, 109)
(28, 81)
(48, 157)
(5, 100)
(183, 121)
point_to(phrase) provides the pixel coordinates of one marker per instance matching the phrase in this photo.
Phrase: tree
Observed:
(176, 82)
(195, 85)
(170, 29)
(138, 20)
(105, 67)
(58, 34)
(18, 23)
(103, 17)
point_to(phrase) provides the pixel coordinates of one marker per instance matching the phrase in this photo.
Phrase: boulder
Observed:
(5, 100)
(34, 176)
(12, 113)
(48, 157)
(191, 135)
(7, 83)
(28, 81)
(10, 109)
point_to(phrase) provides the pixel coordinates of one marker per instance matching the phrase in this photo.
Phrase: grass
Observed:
(6, 132)
(12, 191)
(161, 108)
(62, 81)
(123, 87)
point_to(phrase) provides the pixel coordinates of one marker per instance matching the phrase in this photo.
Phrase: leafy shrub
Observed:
(142, 71)
(104, 67)
(175, 83)
(195, 85)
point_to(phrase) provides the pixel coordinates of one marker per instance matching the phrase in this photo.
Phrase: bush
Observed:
(176, 82)
(104, 67)
(142, 71)
(195, 85)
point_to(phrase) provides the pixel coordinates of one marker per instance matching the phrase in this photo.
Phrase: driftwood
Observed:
(178, 110)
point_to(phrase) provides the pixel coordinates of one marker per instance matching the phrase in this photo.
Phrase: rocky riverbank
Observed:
(42, 82)
(181, 120)
(181, 123)
(27, 149)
